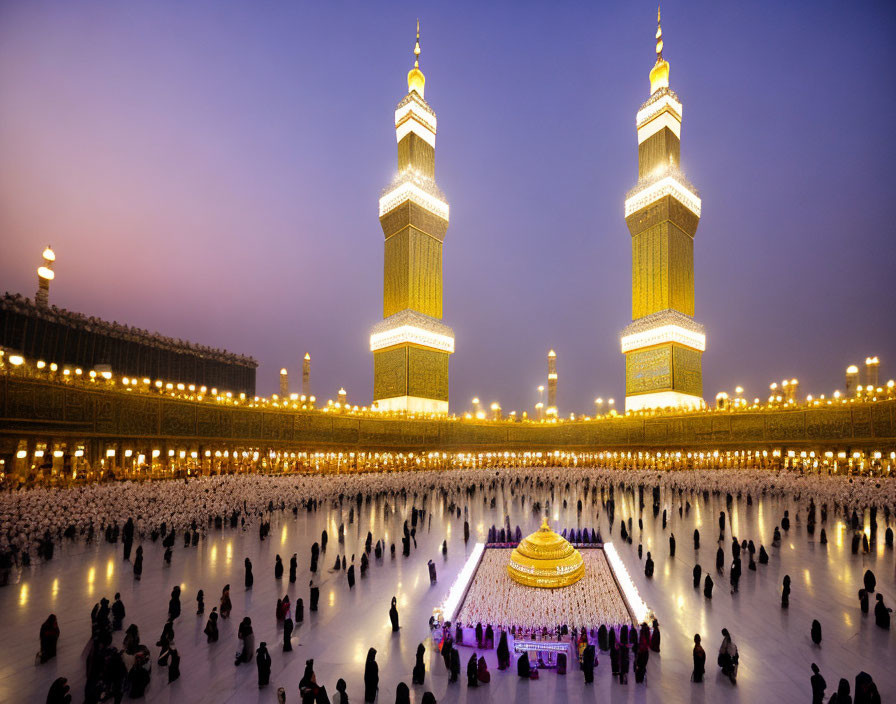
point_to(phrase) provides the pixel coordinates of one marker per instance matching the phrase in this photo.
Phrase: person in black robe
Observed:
(707, 587)
(402, 694)
(720, 559)
(823, 538)
(841, 696)
(315, 553)
(672, 545)
(503, 652)
(118, 613)
(478, 635)
(623, 633)
(614, 659)
(816, 632)
(699, 660)
(173, 665)
(588, 664)
(226, 603)
(308, 689)
(623, 663)
(648, 566)
(371, 676)
(419, 672)
(164, 642)
(870, 581)
(138, 563)
(698, 573)
(523, 668)
(351, 576)
(49, 637)
(211, 627)
(655, 637)
(340, 697)
(763, 555)
(818, 685)
(473, 671)
(602, 637)
(641, 658)
(293, 566)
(696, 539)
(263, 661)
(174, 604)
(393, 615)
(863, 601)
(455, 665)
(59, 692)
(287, 634)
(722, 522)
(246, 636)
(278, 568)
(785, 592)
(882, 613)
(734, 574)
(200, 602)
(250, 579)
(314, 597)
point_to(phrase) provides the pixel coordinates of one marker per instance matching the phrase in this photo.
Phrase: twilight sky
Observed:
(211, 170)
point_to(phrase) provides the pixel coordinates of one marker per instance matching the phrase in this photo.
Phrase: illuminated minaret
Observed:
(411, 345)
(663, 345)
(284, 383)
(306, 375)
(552, 384)
(45, 275)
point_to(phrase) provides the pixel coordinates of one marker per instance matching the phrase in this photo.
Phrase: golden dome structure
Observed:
(416, 79)
(546, 560)
(659, 74)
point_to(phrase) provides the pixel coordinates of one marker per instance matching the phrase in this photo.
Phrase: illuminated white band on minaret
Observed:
(413, 335)
(668, 185)
(413, 115)
(408, 190)
(662, 335)
(666, 101)
(664, 119)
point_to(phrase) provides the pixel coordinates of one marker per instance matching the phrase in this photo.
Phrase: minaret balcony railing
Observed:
(668, 182)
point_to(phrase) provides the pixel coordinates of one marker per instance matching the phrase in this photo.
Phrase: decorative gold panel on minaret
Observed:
(663, 345)
(411, 345)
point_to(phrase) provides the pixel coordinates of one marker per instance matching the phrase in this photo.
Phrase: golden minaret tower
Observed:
(663, 345)
(411, 345)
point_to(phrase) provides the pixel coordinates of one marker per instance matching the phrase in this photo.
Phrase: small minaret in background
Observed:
(284, 383)
(552, 384)
(45, 275)
(306, 375)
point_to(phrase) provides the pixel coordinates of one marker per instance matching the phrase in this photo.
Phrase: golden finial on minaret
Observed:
(659, 74)
(416, 79)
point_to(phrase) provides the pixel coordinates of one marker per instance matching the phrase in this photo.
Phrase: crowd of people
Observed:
(36, 524)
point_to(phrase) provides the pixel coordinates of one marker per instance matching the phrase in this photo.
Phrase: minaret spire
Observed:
(416, 79)
(417, 47)
(659, 74)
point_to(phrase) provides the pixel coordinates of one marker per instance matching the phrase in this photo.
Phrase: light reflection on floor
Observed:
(774, 644)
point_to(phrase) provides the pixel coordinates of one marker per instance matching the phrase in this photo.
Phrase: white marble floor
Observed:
(774, 644)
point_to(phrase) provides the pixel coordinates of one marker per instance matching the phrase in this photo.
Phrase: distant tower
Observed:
(552, 384)
(663, 345)
(411, 345)
(306, 375)
(852, 380)
(45, 275)
(284, 383)
(342, 396)
(872, 371)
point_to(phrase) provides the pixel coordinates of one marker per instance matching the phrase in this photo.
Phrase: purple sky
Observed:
(211, 171)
